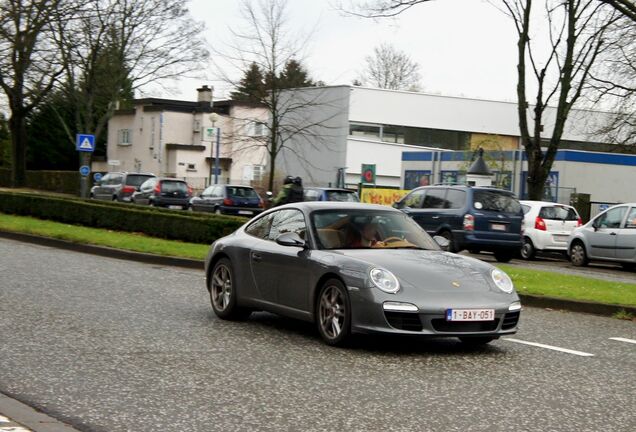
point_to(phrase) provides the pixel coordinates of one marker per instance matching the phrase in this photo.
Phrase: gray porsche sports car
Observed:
(357, 268)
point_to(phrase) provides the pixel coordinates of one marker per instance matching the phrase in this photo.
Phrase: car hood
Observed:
(432, 270)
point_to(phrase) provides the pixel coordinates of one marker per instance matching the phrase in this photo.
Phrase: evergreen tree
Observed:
(294, 76)
(251, 87)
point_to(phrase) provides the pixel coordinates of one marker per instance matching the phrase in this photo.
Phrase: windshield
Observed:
(241, 192)
(368, 229)
(173, 186)
(558, 213)
(336, 195)
(495, 201)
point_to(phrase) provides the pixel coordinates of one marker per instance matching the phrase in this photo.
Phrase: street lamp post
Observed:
(214, 117)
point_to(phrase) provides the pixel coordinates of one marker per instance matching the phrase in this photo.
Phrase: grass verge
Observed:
(557, 285)
(533, 282)
(101, 237)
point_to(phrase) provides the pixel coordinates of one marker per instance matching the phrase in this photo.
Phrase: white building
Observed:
(172, 138)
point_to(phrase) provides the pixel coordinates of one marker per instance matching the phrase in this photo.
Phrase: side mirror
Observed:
(290, 239)
(269, 195)
(441, 241)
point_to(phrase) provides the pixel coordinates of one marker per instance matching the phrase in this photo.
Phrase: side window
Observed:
(117, 179)
(260, 227)
(288, 221)
(455, 199)
(631, 219)
(525, 208)
(612, 219)
(106, 179)
(414, 199)
(147, 185)
(434, 199)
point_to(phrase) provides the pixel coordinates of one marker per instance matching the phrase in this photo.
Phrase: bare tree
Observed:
(30, 64)
(625, 7)
(614, 85)
(267, 43)
(390, 68)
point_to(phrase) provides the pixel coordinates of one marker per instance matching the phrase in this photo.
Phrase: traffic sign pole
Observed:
(85, 145)
(85, 160)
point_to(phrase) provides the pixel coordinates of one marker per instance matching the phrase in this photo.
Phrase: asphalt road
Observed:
(111, 345)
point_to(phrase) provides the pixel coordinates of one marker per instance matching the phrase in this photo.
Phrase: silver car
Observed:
(610, 236)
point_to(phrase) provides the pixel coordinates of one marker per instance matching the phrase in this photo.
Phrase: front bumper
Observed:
(369, 315)
(240, 211)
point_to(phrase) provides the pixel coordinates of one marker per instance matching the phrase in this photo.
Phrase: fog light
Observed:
(515, 306)
(399, 307)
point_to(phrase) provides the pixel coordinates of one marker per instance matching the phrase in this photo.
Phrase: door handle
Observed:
(434, 217)
(612, 233)
(256, 257)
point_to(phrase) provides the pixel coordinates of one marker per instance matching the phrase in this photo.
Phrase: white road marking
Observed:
(550, 347)
(624, 340)
(3, 419)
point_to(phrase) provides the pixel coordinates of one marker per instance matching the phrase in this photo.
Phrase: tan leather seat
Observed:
(330, 238)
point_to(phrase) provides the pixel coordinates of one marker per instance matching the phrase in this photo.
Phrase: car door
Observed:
(626, 238)
(280, 271)
(98, 191)
(264, 288)
(145, 190)
(411, 204)
(203, 202)
(602, 238)
(216, 197)
(433, 215)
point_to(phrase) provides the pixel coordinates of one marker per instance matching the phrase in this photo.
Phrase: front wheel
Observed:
(578, 256)
(451, 244)
(503, 256)
(527, 249)
(333, 313)
(222, 287)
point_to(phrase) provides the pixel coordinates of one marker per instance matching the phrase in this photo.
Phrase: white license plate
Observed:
(498, 227)
(245, 212)
(560, 238)
(470, 315)
(175, 207)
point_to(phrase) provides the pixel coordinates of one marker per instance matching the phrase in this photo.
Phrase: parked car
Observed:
(610, 236)
(303, 260)
(164, 192)
(473, 218)
(330, 194)
(228, 199)
(547, 226)
(118, 186)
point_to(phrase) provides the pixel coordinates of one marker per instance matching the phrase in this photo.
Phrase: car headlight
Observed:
(502, 280)
(385, 280)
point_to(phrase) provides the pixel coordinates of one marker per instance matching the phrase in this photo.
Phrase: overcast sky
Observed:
(464, 47)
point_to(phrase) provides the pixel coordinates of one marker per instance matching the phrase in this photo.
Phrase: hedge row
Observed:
(55, 181)
(164, 224)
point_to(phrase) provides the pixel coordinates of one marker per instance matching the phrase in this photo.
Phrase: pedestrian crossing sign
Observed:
(85, 143)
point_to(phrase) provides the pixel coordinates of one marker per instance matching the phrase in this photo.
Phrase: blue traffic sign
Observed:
(97, 176)
(85, 170)
(85, 143)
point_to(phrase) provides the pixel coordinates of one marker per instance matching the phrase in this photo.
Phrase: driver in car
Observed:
(368, 237)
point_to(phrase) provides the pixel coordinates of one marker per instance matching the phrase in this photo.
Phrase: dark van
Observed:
(473, 218)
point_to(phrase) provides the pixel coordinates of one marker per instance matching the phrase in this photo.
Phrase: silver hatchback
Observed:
(610, 236)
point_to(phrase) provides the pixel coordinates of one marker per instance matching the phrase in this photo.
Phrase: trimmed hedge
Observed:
(54, 181)
(189, 227)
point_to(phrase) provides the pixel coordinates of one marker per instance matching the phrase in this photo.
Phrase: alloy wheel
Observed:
(577, 255)
(221, 289)
(332, 312)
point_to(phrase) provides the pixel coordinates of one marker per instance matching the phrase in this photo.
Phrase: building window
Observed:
(196, 126)
(125, 137)
(191, 167)
(365, 131)
(393, 134)
(258, 171)
(256, 129)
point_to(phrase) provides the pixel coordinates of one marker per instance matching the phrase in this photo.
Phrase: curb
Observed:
(527, 300)
(27, 416)
(104, 251)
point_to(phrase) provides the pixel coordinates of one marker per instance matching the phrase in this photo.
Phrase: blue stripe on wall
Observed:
(417, 156)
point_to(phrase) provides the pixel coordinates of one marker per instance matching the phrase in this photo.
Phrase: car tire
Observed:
(451, 244)
(222, 289)
(476, 341)
(474, 251)
(527, 249)
(578, 255)
(629, 266)
(114, 197)
(333, 313)
(503, 256)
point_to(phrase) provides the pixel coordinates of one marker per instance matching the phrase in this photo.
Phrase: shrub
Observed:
(167, 224)
(54, 181)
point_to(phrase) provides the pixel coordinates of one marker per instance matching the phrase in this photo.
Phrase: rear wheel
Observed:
(527, 249)
(503, 255)
(222, 287)
(333, 313)
(451, 244)
(578, 256)
(476, 341)
(629, 266)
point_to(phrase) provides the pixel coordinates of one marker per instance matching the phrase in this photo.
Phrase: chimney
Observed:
(204, 96)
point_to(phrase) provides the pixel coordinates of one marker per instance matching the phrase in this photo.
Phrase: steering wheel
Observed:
(392, 240)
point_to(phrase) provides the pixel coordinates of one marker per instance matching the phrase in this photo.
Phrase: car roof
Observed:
(310, 206)
(331, 189)
(543, 203)
(464, 186)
